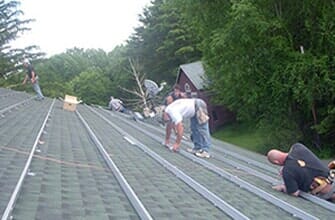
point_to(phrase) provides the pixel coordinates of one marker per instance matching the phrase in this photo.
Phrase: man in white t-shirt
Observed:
(196, 111)
(116, 104)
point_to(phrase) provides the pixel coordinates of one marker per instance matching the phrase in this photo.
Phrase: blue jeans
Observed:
(37, 89)
(200, 135)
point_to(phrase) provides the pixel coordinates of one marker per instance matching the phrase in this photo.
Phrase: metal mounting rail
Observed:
(328, 205)
(233, 154)
(225, 151)
(137, 204)
(266, 196)
(217, 201)
(249, 170)
(18, 186)
(246, 159)
(15, 105)
(321, 202)
(296, 212)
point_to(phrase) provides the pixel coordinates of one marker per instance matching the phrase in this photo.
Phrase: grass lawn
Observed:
(241, 135)
(252, 139)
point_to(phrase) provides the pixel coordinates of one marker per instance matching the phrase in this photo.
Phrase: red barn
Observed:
(191, 78)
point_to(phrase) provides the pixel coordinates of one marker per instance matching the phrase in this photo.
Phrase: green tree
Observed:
(252, 52)
(11, 25)
(91, 86)
(59, 70)
(118, 72)
(163, 41)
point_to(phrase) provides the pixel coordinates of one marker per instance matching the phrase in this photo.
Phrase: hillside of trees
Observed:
(271, 62)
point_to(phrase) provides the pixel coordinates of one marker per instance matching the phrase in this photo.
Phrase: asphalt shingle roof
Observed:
(69, 179)
(195, 72)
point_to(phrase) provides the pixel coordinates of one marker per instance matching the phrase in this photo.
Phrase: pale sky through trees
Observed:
(64, 24)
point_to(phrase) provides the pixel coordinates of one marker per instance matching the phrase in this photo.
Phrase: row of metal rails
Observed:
(98, 164)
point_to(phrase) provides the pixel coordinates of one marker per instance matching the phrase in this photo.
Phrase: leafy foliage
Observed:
(91, 86)
(164, 41)
(253, 56)
(11, 26)
(270, 61)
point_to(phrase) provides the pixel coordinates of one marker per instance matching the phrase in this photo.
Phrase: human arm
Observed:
(110, 107)
(174, 120)
(168, 129)
(33, 76)
(180, 131)
(25, 80)
(290, 185)
(295, 193)
(288, 181)
(282, 188)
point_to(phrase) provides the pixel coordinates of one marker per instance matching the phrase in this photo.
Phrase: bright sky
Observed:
(64, 24)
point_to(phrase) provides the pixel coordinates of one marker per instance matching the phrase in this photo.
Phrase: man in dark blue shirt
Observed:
(300, 168)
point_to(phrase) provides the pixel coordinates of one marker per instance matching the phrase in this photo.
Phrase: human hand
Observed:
(280, 171)
(280, 188)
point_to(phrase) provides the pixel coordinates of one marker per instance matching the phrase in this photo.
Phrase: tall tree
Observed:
(62, 68)
(253, 56)
(118, 73)
(163, 41)
(91, 86)
(11, 26)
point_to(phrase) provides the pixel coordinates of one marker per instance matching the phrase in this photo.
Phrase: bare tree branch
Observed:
(139, 92)
(139, 82)
(134, 92)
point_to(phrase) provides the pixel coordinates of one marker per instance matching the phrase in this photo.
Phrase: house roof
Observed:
(195, 72)
(98, 164)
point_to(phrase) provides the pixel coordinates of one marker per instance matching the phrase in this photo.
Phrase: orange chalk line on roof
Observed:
(78, 164)
(73, 164)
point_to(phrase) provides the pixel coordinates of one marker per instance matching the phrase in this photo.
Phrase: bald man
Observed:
(300, 168)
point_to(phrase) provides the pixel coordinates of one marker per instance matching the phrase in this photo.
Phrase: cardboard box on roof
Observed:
(70, 103)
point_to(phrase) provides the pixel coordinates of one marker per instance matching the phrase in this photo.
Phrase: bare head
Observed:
(169, 100)
(276, 157)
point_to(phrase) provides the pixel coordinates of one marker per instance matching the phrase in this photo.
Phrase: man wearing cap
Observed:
(196, 110)
(32, 76)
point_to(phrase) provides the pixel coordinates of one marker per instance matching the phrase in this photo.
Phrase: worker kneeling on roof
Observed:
(116, 105)
(303, 171)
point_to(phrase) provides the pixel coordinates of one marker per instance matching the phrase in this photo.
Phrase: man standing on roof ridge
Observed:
(32, 76)
(303, 171)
